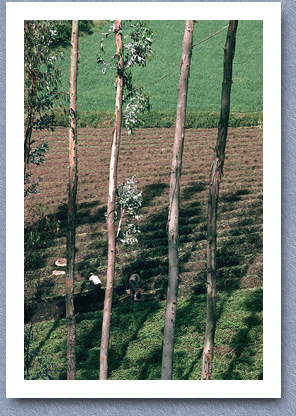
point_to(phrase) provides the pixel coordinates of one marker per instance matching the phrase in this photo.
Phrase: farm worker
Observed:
(134, 284)
(96, 282)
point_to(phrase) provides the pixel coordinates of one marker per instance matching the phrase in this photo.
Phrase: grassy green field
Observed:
(161, 75)
(135, 347)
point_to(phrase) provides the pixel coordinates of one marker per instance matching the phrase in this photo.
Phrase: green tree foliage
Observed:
(42, 78)
(129, 201)
(137, 47)
(63, 30)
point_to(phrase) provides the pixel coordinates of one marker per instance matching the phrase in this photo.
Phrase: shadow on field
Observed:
(130, 325)
(31, 353)
(127, 323)
(87, 213)
(41, 234)
(153, 240)
(244, 351)
(192, 189)
(228, 200)
(237, 251)
(235, 255)
(188, 360)
(152, 191)
(88, 348)
(153, 237)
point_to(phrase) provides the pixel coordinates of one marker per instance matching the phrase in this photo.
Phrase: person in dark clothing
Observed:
(134, 285)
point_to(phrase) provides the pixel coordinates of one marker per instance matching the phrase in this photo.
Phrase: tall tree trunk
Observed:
(32, 98)
(27, 142)
(111, 205)
(71, 215)
(215, 178)
(173, 219)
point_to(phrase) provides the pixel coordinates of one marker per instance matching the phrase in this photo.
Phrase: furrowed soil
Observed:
(147, 155)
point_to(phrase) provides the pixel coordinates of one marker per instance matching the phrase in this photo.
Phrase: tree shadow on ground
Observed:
(191, 189)
(37, 350)
(235, 255)
(237, 251)
(41, 234)
(184, 319)
(152, 191)
(47, 229)
(153, 241)
(151, 368)
(88, 348)
(86, 213)
(90, 213)
(242, 345)
(128, 324)
(131, 324)
(231, 256)
(187, 358)
(153, 237)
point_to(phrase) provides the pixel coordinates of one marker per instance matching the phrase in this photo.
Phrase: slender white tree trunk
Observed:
(173, 219)
(111, 206)
(71, 215)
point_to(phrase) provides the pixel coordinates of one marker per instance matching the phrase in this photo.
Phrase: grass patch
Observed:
(161, 76)
(161, 119)
(136, 340)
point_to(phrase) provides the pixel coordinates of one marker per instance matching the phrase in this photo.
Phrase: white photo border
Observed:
(270, 386)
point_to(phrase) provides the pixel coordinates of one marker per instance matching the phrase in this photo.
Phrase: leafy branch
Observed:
(129, 201)
(137, 51)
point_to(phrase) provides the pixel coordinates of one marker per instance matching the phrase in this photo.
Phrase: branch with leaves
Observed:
(129, 201)
(42, 78)
(137, 51)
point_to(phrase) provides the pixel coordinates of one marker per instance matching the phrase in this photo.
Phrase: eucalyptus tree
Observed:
(111, 203)
(173, 218)
(71, 213)
(216, 174)
(135, 51)
(41, 81)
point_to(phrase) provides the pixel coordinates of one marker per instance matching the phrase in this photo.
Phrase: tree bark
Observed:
(111, 205)
(71, 215)
(32, 97)
(27, 142)
(215, 178)
(29, 124)
(173, 218)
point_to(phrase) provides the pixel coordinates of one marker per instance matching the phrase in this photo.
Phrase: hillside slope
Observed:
(138, 331)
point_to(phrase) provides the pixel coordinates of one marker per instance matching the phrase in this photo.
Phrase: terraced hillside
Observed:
(148, 156)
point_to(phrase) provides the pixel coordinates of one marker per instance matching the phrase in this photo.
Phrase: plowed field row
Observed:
(148, 156)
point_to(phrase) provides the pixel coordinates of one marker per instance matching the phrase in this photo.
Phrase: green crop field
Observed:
(160, 76)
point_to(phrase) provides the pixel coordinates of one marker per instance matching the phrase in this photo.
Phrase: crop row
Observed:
(148, 155)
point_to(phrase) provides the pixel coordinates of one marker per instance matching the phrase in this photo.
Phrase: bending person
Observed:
(134, 284)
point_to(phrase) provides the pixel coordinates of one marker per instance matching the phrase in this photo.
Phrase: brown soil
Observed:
(148, 156)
